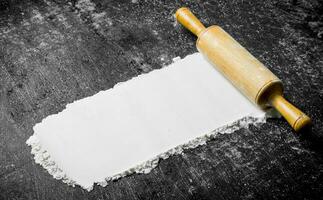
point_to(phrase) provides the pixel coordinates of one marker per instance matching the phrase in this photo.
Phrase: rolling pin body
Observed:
(248, 74)
(245, 72)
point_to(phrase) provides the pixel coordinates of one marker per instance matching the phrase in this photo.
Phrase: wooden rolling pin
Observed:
(247, 73)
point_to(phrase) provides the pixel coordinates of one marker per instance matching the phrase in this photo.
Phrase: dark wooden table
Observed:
(54, 52)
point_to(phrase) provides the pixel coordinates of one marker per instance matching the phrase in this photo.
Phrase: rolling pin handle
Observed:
(296, 118)
(189, 20)
(239, 60)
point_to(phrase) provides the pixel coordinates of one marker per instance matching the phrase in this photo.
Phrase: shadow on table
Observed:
(312, 139)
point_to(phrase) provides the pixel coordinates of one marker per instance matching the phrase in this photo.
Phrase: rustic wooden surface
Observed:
(54, 52)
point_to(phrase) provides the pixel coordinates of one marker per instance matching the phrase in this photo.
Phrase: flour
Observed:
(128, 128)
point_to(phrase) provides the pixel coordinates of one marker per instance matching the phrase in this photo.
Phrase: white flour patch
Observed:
(128, 128)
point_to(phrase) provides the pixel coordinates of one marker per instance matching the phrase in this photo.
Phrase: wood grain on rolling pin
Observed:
(246, 72)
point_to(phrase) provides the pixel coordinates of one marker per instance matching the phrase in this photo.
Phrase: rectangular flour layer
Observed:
(114, 132)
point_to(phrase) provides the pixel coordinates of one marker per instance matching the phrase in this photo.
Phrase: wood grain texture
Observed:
(242, 69)
(55, 52)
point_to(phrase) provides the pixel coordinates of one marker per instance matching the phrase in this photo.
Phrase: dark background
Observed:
(54, 52)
